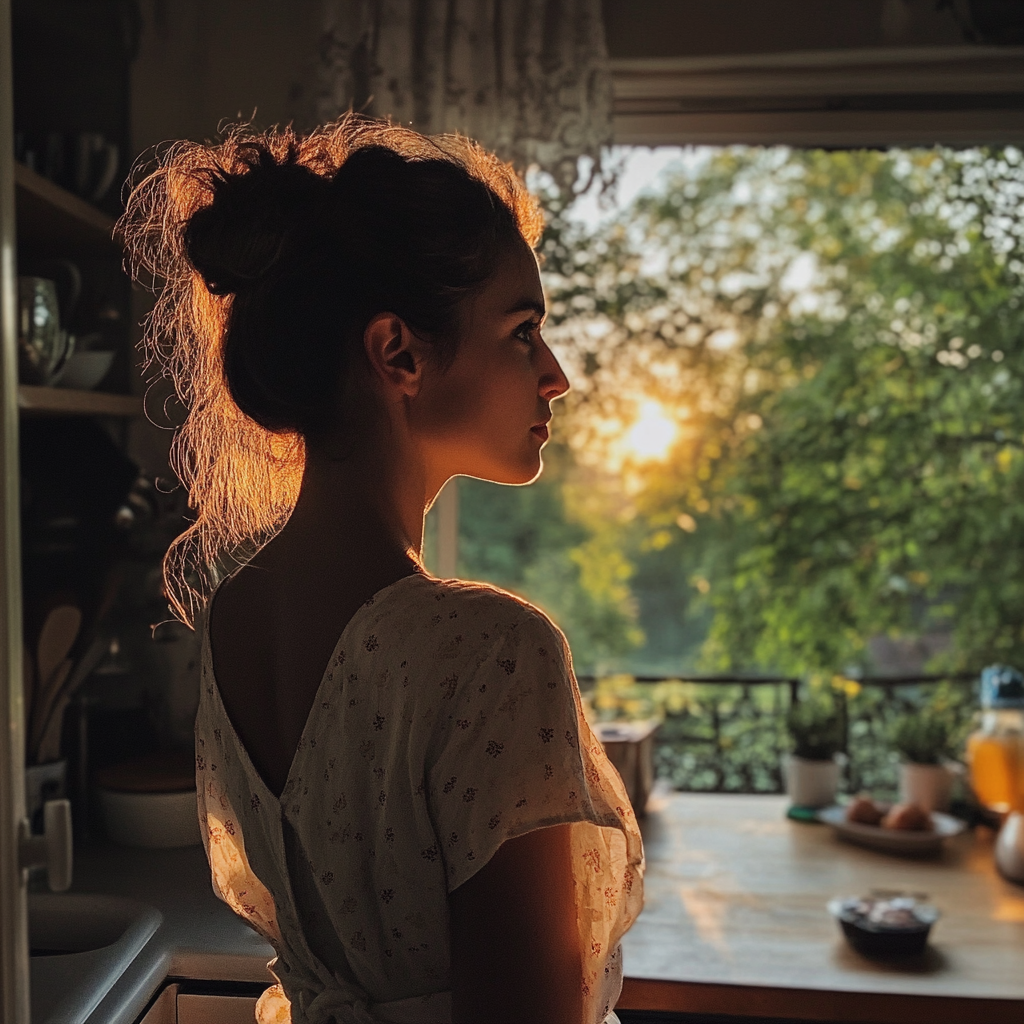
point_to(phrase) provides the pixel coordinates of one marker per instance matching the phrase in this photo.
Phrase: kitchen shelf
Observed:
(38, 401)
(52, 220)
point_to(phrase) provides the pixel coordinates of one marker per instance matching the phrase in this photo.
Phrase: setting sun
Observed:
(652, 435)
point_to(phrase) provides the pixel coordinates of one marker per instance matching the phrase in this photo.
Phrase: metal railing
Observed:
(728, 733)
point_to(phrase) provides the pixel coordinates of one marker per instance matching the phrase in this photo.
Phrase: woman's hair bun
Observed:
(237, 240)
(310, 236)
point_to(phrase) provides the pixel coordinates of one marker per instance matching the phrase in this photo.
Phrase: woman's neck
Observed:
(360, 514)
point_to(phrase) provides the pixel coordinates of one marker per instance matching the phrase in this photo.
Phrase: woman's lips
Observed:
(541, 431)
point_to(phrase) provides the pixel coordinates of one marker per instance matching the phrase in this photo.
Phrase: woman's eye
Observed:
(525, 332)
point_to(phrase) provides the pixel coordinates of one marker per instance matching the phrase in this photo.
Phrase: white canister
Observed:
(151, 801)
(927, 785)
(811, 783)
(1010, 847)
(155, 820)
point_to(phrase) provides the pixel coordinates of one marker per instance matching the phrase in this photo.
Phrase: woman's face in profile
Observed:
(486, 415)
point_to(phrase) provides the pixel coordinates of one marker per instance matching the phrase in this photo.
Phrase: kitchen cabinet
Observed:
(164, 1009)
(174, 1006)
(14, 974)
(39, 221)
(654, 104)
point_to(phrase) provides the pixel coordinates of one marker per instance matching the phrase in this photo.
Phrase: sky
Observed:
(643, 168)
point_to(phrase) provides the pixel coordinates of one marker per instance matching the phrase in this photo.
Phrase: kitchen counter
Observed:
(198, 938)
(735, 922)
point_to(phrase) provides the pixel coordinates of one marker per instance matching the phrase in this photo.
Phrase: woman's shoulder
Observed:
(466, 625)
(494, 610)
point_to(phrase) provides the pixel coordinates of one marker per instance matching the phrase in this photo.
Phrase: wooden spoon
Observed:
(57, 637)
(65, 690)
(48, 748)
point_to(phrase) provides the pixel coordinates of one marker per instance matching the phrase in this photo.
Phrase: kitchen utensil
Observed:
(891, 840)
(51, 728)
(94, 654)
(56, 638)
(49, 742)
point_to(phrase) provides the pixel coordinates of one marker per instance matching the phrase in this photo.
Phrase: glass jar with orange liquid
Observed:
(995, 753)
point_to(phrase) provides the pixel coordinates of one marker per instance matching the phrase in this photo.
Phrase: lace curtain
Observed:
(527, 78)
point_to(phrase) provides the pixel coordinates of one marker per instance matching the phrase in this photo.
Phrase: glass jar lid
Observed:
(1002, 687)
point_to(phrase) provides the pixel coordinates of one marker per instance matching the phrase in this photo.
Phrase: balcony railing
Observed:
(727, 734)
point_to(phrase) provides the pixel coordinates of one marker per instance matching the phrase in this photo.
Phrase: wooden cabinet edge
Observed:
(163, 1009)
(42, 401)
(61, 199)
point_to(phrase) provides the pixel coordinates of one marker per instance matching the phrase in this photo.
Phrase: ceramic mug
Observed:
(95, 165)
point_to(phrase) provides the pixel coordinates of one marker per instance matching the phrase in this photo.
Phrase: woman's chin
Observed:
(515, 475)
(531, 471)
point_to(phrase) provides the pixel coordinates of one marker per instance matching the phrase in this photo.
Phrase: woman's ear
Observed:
(395, 354)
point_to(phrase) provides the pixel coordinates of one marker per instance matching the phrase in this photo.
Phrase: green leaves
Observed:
(815, 728)
(922, 740)
(935, 731)
(846, 332)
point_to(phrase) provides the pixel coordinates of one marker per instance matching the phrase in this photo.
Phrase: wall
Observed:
(691, 28)
(203, 62)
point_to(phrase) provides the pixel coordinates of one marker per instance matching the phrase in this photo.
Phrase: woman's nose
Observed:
(553, 381)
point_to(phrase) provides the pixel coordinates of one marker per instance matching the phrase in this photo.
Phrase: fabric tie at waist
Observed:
(336, 1005)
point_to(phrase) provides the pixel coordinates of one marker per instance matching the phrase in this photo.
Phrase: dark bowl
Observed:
(881, 940)
(885, 943)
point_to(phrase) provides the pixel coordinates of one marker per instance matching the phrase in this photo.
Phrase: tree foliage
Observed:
(840, 337)
(538, 542)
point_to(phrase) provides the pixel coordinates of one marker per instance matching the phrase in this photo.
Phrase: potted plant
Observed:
(811, 769)
(924, 741)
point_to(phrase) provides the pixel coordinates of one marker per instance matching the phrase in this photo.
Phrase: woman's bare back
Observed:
(273, 626)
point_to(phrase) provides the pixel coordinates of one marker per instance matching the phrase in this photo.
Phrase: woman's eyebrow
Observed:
(528, 304)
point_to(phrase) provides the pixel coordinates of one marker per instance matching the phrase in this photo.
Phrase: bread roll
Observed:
(908, 818)
(864, 811)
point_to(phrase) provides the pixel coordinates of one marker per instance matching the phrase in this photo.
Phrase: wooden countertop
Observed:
(735, 922)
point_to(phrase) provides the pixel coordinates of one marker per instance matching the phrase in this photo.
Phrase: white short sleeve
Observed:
(514, 753)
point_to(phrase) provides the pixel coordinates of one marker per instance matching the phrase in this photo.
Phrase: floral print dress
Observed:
(447, 721)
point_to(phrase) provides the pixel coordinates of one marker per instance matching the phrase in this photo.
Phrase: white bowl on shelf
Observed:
(84, 370)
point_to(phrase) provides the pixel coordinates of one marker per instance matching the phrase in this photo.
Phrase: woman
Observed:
(397, 786)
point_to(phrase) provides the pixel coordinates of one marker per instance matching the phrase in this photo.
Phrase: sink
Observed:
(81, 944)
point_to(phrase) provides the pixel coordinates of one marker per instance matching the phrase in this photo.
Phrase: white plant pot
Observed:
(928, 785)
(810, 783)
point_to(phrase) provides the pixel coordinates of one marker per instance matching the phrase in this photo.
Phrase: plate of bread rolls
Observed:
(904, 828)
